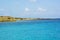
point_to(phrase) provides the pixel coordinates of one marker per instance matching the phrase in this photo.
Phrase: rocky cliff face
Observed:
(6, 19)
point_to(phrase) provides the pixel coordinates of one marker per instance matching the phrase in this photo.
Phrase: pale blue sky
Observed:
(30, 8)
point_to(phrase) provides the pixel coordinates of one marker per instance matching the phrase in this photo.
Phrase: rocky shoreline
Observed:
(14, 19)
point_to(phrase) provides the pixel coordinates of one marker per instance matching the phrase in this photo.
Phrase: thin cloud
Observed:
(32, 0)
(36, 10)
(27, 9)
(41, 10)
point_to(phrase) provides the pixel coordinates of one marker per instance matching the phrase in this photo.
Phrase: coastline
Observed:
(14, 19)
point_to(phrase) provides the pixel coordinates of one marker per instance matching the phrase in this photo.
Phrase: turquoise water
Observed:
(30, 30)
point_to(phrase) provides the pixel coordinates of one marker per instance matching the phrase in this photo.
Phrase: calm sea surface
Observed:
(30, 30)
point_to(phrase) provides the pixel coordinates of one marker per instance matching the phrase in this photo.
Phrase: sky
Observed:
(30, 8)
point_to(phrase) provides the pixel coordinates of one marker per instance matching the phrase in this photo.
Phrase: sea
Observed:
(30, 30)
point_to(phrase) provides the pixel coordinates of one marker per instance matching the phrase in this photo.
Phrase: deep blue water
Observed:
(30, 30)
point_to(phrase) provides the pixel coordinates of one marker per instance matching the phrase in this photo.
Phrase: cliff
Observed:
(7, 19)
